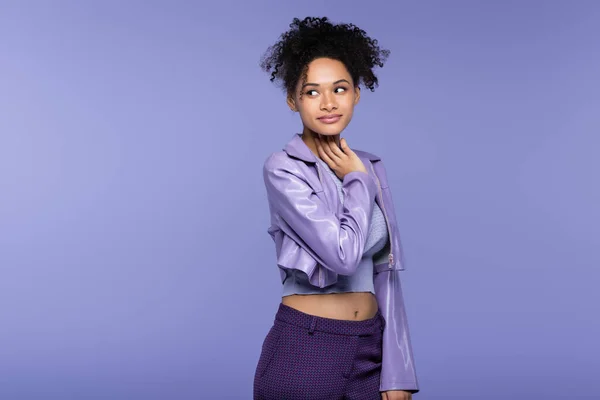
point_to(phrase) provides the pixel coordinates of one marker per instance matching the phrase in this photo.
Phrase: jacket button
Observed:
(391, 258)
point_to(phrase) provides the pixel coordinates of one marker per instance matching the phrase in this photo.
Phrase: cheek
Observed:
(308, 109)
(308, 119)
(348, 101)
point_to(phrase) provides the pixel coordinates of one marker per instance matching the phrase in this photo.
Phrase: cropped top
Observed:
(375, 251)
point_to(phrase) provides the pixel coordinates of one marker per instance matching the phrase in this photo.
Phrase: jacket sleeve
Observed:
(335, 241)
(398, 365)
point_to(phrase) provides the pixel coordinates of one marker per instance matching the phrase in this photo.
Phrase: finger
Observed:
(324, 156)
(332, 142)
(328, 149)
(337, 151)
(344, 146)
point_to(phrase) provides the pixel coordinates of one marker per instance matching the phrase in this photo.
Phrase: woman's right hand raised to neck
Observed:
(342, 160)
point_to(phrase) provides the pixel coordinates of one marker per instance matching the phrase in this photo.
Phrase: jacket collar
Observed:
(298, 149)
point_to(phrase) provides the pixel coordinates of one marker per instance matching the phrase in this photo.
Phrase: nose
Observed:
(328, 102)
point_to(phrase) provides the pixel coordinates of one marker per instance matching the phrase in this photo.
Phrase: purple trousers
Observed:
(305, 357)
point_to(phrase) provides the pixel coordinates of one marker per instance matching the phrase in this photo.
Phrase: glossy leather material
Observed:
(317, 234)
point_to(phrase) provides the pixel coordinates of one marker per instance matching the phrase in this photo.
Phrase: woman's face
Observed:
(328, 97)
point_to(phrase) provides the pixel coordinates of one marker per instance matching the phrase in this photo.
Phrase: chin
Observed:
(329, 133)
(331, 130)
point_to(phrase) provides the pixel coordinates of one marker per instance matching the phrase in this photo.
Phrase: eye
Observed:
(309, 92)
(343, 89)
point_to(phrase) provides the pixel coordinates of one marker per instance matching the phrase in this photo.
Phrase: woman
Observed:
(340, 331)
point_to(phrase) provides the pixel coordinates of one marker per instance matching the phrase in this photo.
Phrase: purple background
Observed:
(134, 257)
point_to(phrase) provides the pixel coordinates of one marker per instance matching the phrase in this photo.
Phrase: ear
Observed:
(291, 103)
(356, 95)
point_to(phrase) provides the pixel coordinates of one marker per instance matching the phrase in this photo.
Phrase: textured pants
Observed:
(305, 357)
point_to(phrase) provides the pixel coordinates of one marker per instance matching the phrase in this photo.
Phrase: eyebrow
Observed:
(316, 84)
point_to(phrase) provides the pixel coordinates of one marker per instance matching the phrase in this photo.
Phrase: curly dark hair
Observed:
(313, 38)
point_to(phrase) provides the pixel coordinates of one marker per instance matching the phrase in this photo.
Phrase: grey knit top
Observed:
(375, 251)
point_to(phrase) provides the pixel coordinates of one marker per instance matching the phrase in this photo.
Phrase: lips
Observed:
(330, 119)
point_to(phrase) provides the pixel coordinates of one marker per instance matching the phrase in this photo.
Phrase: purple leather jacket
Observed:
(317, 234)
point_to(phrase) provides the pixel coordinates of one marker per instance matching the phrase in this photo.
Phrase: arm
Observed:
(336, 242)
(398, 365)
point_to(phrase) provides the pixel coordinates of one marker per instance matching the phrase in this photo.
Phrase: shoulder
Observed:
(377, 162)
(366, 154)
(279, 166)
(278, 160)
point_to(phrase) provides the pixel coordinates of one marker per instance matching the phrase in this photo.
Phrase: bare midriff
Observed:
(342, 306)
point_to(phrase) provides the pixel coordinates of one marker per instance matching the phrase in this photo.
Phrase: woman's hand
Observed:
(396, 395)
(341, 161)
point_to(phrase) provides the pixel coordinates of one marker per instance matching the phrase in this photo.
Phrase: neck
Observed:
(308, 138)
